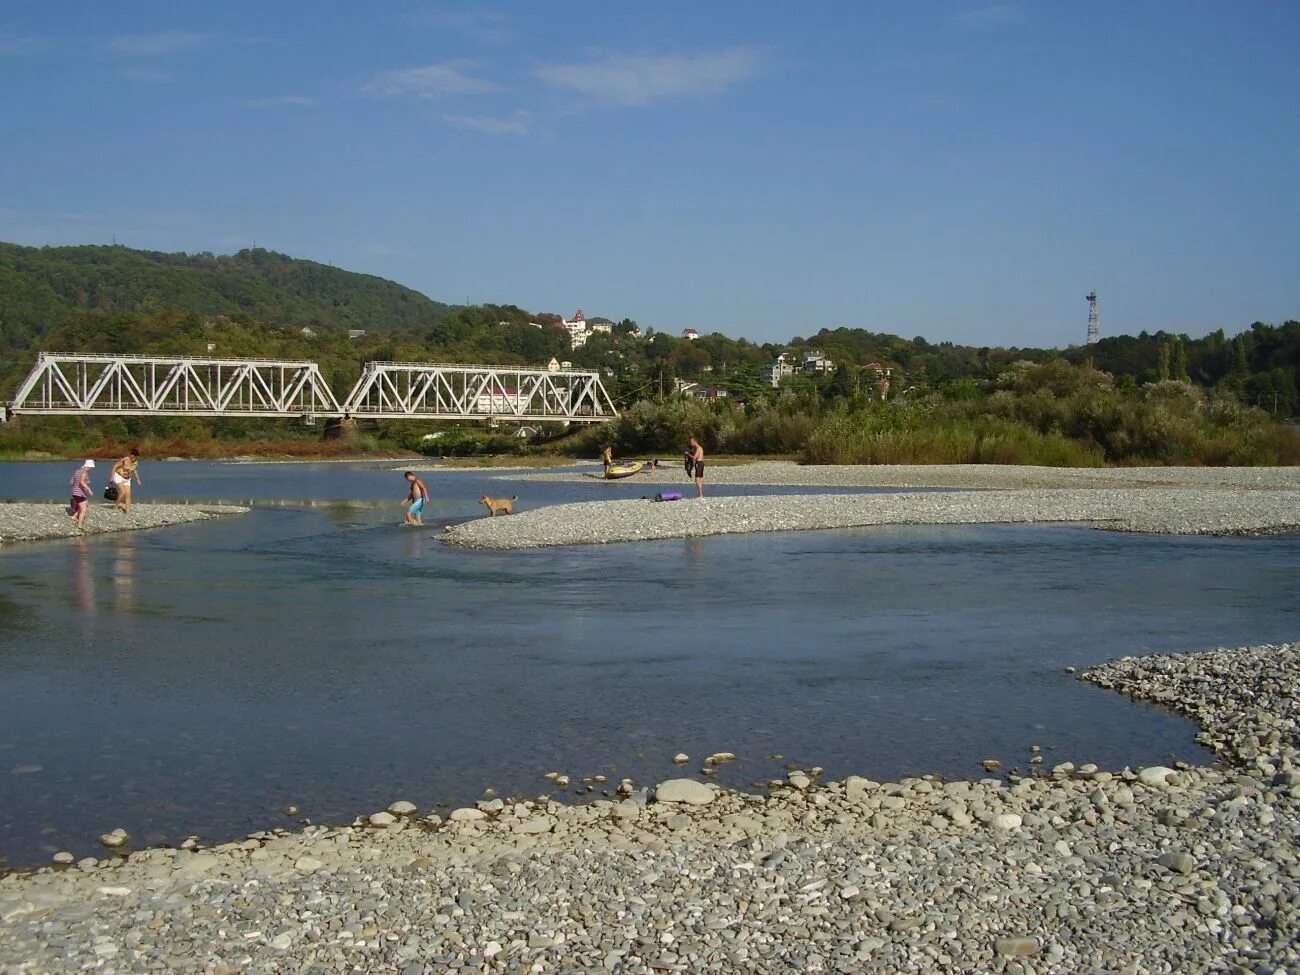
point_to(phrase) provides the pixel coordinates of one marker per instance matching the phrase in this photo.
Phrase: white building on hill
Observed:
(778, 369)
(577, 328)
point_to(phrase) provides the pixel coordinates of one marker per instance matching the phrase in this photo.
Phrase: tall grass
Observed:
(867, 438)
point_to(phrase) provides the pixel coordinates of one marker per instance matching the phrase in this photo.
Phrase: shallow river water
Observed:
(199, 679)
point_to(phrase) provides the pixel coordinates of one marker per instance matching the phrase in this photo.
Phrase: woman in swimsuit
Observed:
(123, 471)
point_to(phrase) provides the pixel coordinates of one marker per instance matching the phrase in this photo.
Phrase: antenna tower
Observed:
(1094, 332)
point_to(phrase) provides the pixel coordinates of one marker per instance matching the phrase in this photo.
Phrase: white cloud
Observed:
(20, 43)
(282, 101)
(517, 124)
(430, 81)
(995, 16)
(480, 25)
(155, 43)
(642, 80)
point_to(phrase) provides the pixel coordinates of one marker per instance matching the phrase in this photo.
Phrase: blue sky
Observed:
(962, 171)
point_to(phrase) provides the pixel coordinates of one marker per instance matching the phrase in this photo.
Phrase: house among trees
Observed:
(778, 369)
(690, 333)
(817, 364)
(577, 328)
(505, 400)
(603, 325)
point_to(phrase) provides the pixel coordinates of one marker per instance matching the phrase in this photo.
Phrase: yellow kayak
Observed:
(624, 470)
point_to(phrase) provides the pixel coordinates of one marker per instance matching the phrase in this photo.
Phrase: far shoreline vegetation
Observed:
(867, 397)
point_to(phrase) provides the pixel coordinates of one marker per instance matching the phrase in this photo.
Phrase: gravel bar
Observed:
(24, 522)
(965, 476)
(1204, 511)
(1073, 869)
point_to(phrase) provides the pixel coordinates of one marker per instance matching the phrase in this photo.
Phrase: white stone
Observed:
(534, 825)
(308, 864)
(64, 856)
(115, 891)
(799, 780)
(1006, 821)
(688, 791)
(856, 787)
(382, 819)
(492, 949)
(467, 815)
(403, 808)
(1155, 775)
(681, 758)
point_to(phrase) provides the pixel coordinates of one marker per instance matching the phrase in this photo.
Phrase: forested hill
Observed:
(41, 287)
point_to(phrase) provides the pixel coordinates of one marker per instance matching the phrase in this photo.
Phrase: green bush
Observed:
(919, 436)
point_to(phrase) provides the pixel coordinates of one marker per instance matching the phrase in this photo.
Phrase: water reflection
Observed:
(83, 577)
(124, 574)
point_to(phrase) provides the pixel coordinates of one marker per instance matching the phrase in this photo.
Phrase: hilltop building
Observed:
(577, 329)
(690, 333)
(778, 369)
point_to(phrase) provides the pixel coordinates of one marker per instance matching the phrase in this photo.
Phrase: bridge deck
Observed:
(126, 385)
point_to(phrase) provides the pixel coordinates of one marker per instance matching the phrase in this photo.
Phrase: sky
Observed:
(962, 171)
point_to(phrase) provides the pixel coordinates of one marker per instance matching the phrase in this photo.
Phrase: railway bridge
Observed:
(135, 385)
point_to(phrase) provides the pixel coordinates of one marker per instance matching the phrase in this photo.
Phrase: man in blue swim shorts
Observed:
(417, 496)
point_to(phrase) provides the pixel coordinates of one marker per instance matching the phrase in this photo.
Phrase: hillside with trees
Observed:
(41, 287)
(876, 397)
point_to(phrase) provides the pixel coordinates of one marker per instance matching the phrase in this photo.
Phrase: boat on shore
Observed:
(615, 471)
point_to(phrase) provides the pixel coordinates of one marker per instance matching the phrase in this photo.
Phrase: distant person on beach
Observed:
(80, 494)
(123, 472)
(417, 496)
(696, 466)
(606, 458)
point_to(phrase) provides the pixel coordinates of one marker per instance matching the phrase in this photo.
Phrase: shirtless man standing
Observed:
(417, 496)
(697, 460)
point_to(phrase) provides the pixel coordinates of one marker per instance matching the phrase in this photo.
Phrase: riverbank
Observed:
(784, 473)
(1080, 870)
(1207, 511)
(25, 522)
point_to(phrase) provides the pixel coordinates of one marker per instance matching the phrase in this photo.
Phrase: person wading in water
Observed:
(417, 496)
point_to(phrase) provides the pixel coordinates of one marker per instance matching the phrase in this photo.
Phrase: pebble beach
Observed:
(25, 522)
(1198, 501)
(1076, 869)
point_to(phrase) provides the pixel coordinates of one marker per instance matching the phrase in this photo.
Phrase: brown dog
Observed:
(499, 504)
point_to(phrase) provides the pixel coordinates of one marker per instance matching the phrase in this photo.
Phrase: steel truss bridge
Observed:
(130, 385)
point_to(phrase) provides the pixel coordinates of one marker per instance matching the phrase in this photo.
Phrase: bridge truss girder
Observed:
(130, 385)
(417, 390)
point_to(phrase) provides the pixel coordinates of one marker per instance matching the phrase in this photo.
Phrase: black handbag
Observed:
(110, 493)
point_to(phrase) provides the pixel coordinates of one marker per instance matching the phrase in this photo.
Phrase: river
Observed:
(200, 679)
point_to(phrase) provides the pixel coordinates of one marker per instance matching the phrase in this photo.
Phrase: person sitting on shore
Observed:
(80, 494)
(123, 471)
